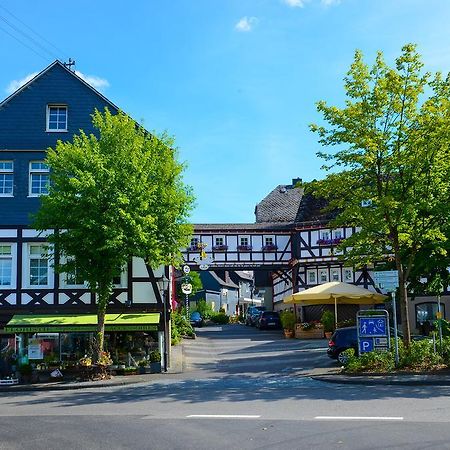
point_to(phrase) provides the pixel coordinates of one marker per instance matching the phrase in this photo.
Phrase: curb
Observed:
(402, 380)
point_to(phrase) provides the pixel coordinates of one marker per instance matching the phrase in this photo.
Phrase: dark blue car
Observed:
(196, 319)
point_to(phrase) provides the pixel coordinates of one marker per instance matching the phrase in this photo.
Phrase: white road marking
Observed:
(357, 418)
(222, 416)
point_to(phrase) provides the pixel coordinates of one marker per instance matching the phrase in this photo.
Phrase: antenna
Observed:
(70, 64)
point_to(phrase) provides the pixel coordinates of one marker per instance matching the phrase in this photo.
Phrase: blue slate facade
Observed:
(23, 135)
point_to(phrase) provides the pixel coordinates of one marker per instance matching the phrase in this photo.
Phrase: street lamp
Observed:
(163, 285)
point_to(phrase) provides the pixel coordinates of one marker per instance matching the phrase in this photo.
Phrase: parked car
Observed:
(252, 314)
(345, 338)
(268, 319)
(342, 339)
(196, 319)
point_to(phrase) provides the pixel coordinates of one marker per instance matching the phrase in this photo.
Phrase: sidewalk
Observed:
(406, 379)
(176, 367)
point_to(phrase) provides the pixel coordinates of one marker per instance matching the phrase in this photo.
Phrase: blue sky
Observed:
(235, 81)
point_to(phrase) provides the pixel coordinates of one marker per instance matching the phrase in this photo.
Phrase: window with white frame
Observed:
(39, 178)
(348, 274)
(38, 265)
(337, 234)
(194, 242)
(268, 241)
(244, 241)
(323, 275)
(56, 118)
(73, 277)
(325, 235)
(335, 274)
(6, 178)
(311, 276)
(6, 264)
(219, 241)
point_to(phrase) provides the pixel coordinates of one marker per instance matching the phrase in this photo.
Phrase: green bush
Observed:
(204, 308)
(419, 356)
(369, 362)
(327, 321)
(180, 327)
(155, 356)
(287, 319)
(25, 369)
(220, 318)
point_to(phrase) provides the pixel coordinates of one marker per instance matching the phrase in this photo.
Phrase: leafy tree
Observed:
(113, 197)
(391, 152)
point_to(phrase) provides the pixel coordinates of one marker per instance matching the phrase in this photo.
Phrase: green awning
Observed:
(51, 323)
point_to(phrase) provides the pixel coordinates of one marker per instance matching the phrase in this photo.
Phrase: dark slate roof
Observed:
(241, 227)
(43, 72)
(244, 275)
(311, 210)
(281, 205)
(225, 283)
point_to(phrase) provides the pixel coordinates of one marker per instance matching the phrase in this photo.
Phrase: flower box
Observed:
(244, 248)
(192, 248)
(312, 333)
(220, 248)
(334, 241)
(269, 248)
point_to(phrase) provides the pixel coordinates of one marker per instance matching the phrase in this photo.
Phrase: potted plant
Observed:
(143, 366)
(287, 319)
(327, 321)
(155, 361)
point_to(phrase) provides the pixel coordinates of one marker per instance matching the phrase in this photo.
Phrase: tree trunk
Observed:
(403, 299)
(104, 293)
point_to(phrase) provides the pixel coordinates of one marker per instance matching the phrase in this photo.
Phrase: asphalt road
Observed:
(242, 389)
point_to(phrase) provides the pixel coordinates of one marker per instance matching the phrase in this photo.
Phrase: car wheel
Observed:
(342, 357)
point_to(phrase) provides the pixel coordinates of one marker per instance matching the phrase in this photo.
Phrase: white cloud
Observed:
(330, 2)
(246, 24)
(96, 82)
(295, 3)
(16, 84)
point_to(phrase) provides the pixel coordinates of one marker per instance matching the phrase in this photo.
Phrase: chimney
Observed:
(295, 181)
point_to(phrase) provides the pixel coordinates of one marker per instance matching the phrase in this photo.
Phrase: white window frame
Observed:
(4, 171)
(47, 120)
(219, 240)
(29, 257)
(335, 270)
(11, 257)
(41, 171)
(269, 240)
(64, 280)
(310, 272)
(319, 277)
(338, 234)
(244, 240)
(325, 235)
(348, 271)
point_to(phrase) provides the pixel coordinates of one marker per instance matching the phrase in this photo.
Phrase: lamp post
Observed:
(163, 284)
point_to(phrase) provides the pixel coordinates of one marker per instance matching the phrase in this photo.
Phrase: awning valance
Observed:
(69, 323)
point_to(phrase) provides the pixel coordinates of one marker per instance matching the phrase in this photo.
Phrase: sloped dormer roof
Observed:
(280, 205)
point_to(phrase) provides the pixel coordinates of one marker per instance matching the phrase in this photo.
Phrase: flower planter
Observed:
(244, 248)
(313, 333)
(289, 334)
(155, 367)
(220, 248)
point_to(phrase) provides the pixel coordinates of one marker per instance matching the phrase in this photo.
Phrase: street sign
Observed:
(186, 288)
(373, 330)
(186, 269)
(372, 326)
(386, 281)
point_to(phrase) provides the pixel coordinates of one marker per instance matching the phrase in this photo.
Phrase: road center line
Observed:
(357, 418)
(222, 416)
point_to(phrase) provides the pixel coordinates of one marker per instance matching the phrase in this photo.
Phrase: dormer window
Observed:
(56, 118)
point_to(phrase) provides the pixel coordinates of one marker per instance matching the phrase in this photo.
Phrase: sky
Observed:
(234, 81)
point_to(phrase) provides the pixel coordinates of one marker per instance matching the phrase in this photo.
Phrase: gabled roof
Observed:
(43, 72)
(280, 205)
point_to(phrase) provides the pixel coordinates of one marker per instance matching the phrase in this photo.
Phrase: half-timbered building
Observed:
(54, 106)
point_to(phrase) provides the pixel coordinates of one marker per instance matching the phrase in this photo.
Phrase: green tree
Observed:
(391, 147)
(111, 198)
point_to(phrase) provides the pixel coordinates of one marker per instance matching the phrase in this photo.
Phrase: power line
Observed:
(26, 36)
(42, 38)
(25, 44)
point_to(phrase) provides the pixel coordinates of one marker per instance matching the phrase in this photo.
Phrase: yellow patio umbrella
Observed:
(333, 293)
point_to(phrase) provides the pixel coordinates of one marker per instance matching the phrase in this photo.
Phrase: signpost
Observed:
(373, 330)
(387, 282)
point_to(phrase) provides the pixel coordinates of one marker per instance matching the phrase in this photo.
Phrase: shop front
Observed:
(46, 341)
